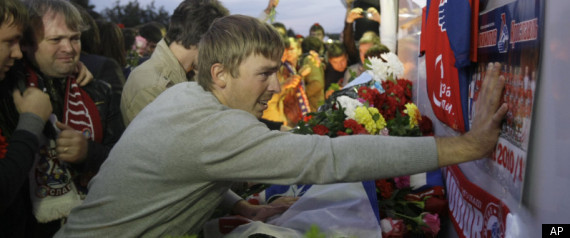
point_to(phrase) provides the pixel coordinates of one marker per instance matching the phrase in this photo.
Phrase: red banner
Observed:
(473, 211)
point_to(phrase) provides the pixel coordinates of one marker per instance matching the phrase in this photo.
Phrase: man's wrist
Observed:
(241, 207)
(458, 149)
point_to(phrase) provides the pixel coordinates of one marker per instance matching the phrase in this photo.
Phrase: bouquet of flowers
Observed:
(383, 106)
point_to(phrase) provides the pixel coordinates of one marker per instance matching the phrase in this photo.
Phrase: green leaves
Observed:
(400, 126)
(332, 119)
(314, 232)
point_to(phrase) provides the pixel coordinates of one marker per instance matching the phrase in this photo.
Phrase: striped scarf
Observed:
(52, 188)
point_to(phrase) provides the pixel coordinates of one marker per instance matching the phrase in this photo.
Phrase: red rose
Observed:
(361, 130)
(398, 91)
(341, 133)
(432, 224)
(407, 86)
(320, 130)
(354, 127)
(370, 95)
(386, 188)
(362, 91)
(387, 85)
(379, 102)
(426, 126)
(389, 108)
(350, 123)
(307, 118)
(392, 228)
(436, 205)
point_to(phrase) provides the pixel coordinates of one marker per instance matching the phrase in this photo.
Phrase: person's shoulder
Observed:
(98, 89)
(189, 87)
(91, 58)
(186, 96)
(354, 66)
(97, 84)
(143, 76)
(110, 62)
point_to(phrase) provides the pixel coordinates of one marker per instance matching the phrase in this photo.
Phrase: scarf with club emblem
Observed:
(55, 187)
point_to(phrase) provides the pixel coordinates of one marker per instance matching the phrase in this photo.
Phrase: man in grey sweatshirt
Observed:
(178, 157)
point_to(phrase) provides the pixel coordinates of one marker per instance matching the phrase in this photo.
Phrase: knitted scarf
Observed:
(295, 103)
(52, 188)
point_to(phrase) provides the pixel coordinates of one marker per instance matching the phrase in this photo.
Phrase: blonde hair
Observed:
(369, 37)
(230, 40)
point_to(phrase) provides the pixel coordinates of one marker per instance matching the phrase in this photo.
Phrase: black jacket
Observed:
(106, 69)
(16, 219)
(21, 221)
(108, 105)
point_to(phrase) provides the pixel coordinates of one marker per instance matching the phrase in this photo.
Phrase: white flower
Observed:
(378, 68)
(349, 104)
(381, 70)
(394, 64)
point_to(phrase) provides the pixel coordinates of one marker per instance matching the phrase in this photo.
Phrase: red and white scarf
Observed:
(52, 188)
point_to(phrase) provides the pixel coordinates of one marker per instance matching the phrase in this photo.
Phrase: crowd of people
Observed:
(101, 139)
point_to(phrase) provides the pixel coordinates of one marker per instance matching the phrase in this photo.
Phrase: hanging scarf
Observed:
(295, 103)
(52, 188)
(301, 95)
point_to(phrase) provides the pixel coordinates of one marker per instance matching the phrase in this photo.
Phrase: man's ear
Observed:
(219, 75)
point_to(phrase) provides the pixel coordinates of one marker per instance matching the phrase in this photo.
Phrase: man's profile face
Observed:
(10, 35)
(255, 85)
(338, 63)
(58, 50)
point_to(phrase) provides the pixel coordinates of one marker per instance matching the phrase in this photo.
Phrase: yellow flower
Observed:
(362, 116)
(381, 122)
(370, 118)
(414, 113)
(378, 118)
(373, 111)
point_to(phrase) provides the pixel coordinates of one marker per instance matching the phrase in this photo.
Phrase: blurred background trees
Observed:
(131, 14)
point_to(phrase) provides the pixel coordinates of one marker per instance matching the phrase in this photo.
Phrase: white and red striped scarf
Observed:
(80, 112)
(52, 188)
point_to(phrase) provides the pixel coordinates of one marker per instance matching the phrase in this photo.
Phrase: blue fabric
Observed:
(370, 188)
(458, 25)
(464, 81)
(455, 16)
(433, 178)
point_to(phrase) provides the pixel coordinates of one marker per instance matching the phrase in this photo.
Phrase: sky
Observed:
(298, 15)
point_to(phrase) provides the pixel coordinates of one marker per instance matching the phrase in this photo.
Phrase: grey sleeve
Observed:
(285, 158)
(31, 122)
